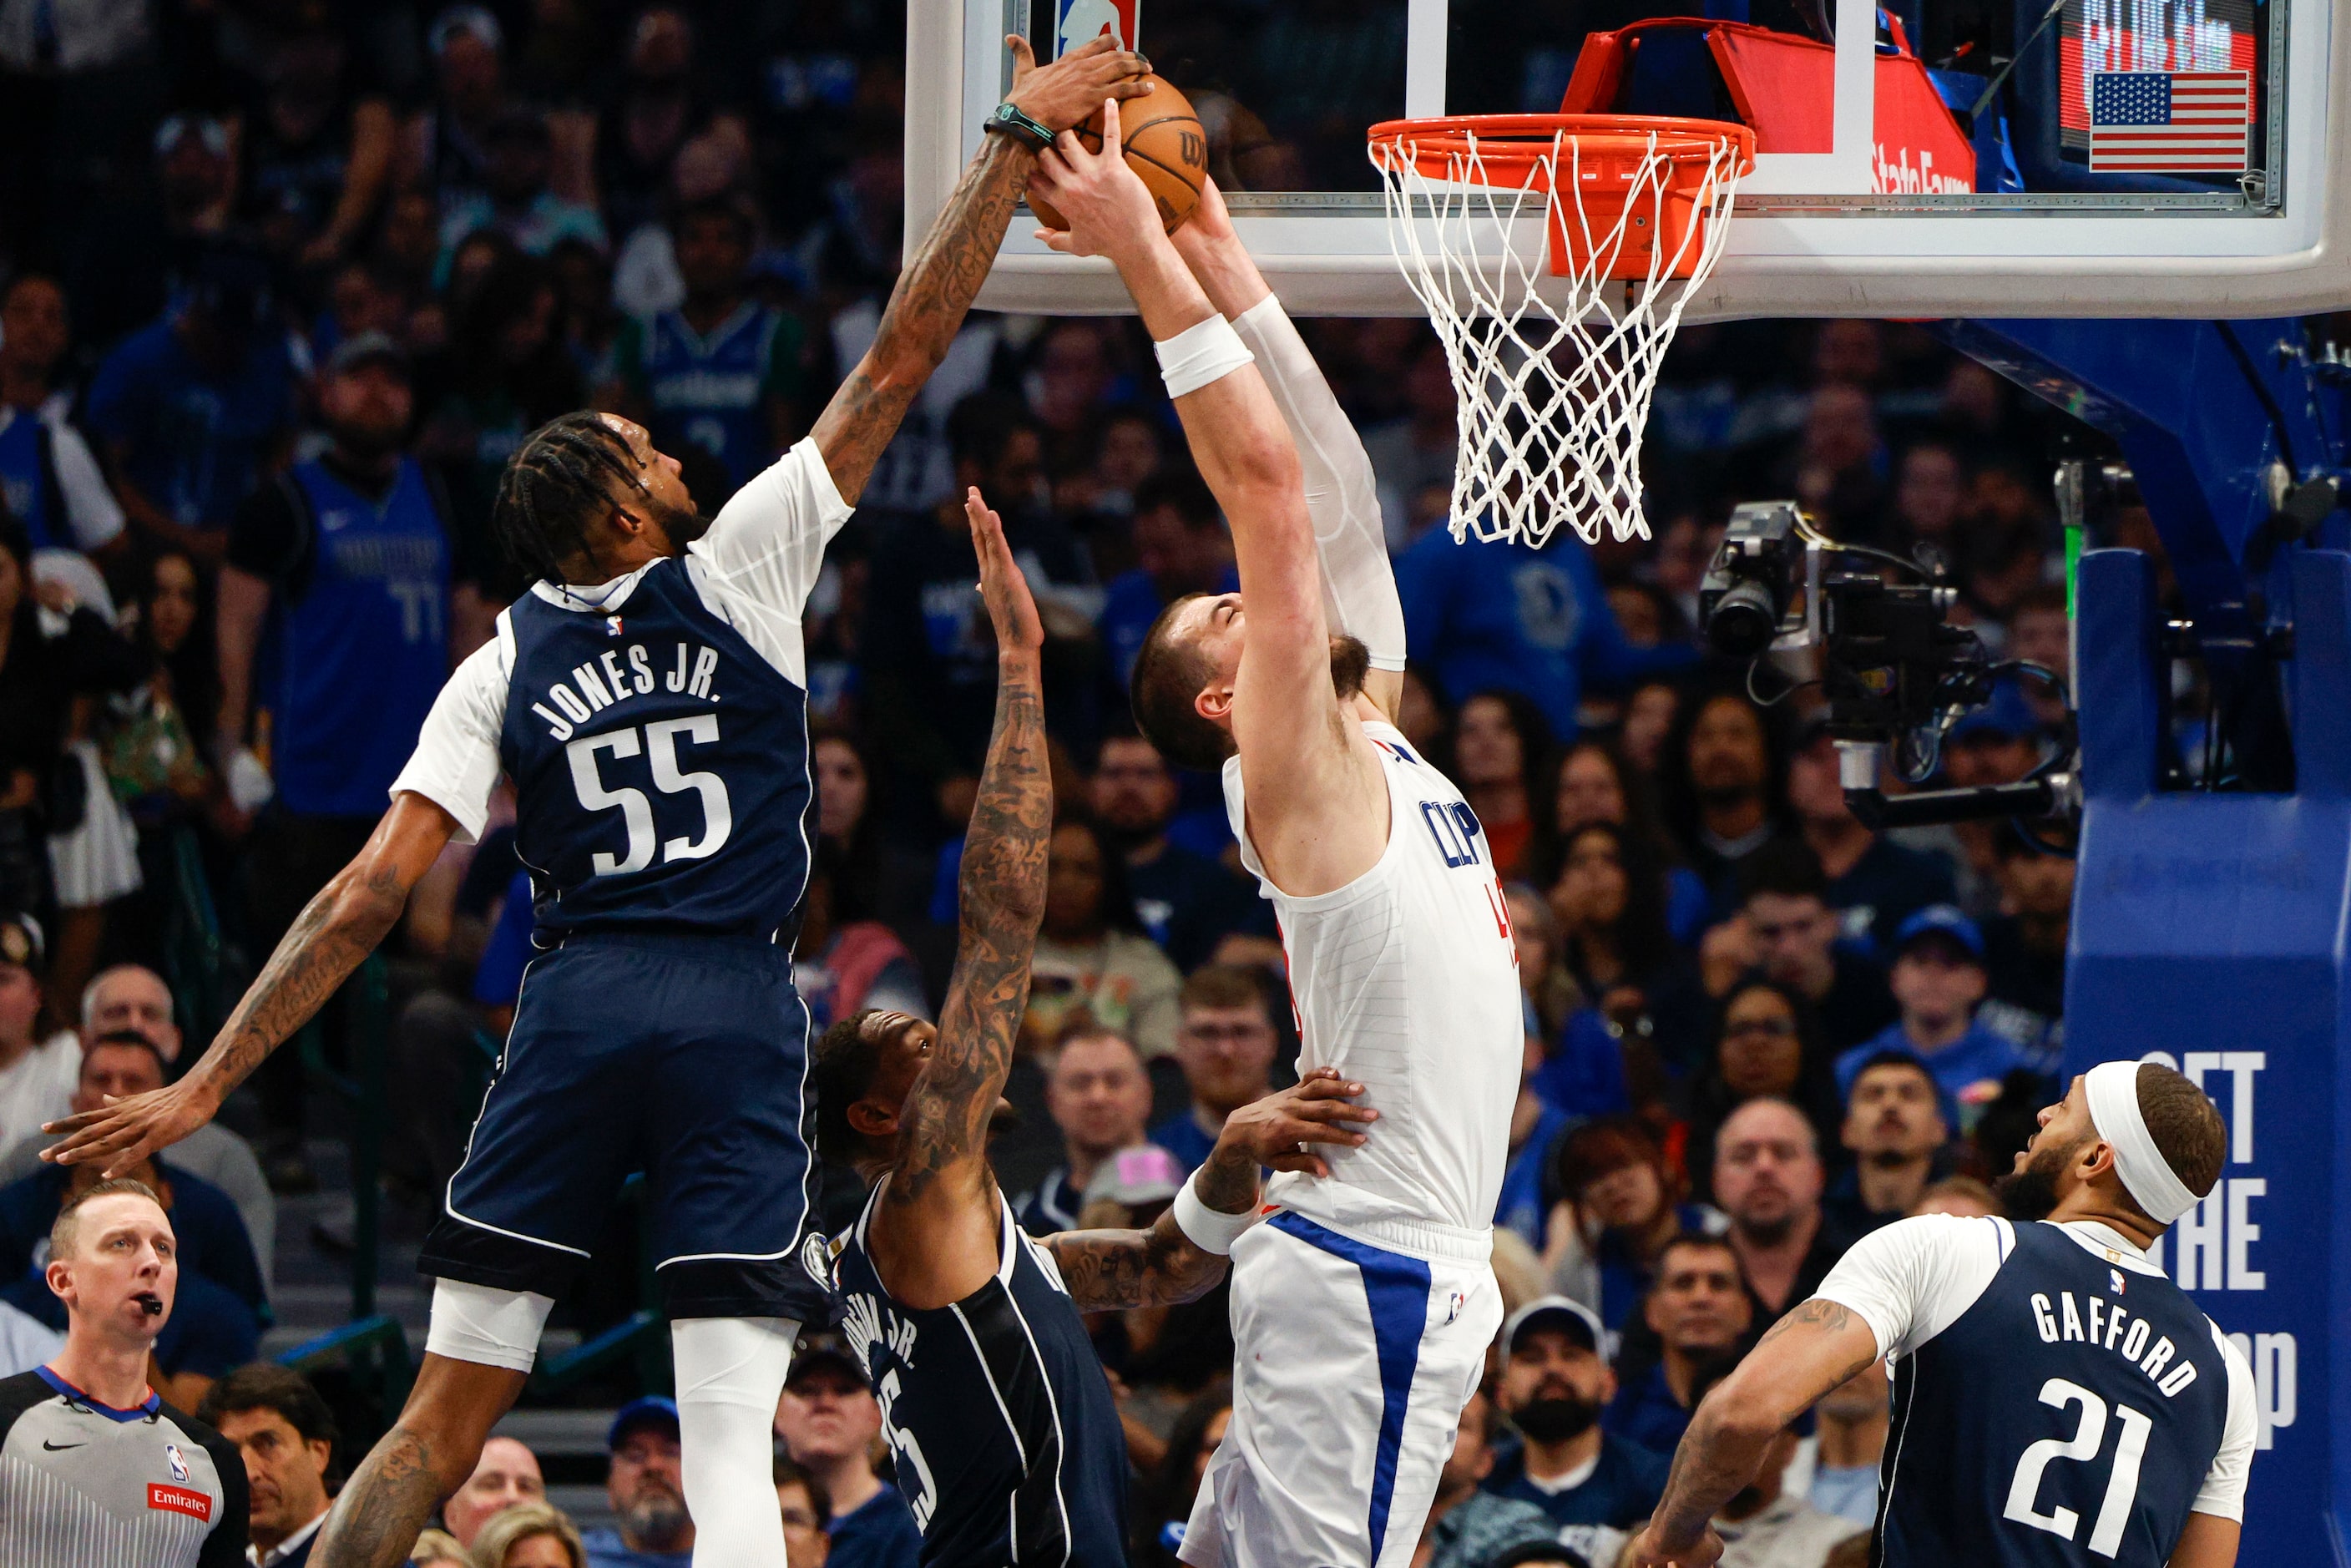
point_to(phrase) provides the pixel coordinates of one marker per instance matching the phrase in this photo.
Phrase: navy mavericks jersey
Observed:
(711, 391)
(660, 767)
(999, 1418)
(2067, 1418)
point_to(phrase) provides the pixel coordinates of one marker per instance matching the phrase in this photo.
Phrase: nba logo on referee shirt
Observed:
(177, 1460)
(1075, 21)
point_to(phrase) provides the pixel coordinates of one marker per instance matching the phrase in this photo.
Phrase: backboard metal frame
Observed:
(1810, 239)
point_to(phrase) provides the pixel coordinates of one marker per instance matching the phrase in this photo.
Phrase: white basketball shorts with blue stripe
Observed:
(1354, 1361)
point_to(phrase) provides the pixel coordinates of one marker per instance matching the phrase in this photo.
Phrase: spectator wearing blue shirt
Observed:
(1508, 617)
(1938, 978)
(829, 1421)
(722, 371)
(1874, 883)
(1700, 1309)
(194, 408)
(1225, 1042)
(1186, 901)
(647, 1491)
(49, 480)
(334, 617)
(1180, 547)
(1555, 1381)
(1099, 1095)
(1536, 1125)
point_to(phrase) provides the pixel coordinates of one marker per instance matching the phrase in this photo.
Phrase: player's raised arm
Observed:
(1816, 1347)
(1359, 588)
(937, 1206)
(336, 930)
(1318, 806)
(1181, 1255)
(933, 295)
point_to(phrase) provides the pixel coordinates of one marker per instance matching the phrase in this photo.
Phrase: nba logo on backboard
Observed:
(1075, 21)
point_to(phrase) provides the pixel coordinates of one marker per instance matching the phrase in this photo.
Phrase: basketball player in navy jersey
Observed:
(999, 1418)
(647, 698)
(2058, 1402)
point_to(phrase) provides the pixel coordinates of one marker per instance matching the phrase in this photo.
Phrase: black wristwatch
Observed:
(1009, 120)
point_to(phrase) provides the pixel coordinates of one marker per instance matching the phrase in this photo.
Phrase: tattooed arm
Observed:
(1816, 1347)
(935, 1236)
(1153, 1268)
(927, 307)
(335, 931)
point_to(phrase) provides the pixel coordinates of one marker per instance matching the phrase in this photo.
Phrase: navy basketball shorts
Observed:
(682, 1057)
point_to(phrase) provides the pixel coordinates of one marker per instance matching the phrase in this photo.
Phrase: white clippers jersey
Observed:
(1406, 981)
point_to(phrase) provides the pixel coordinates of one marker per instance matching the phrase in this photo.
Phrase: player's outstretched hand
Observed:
(1070, 89)
(1011, 608)
(120, 1134)
(1279, 1130)
(1648, 1551)
(1106, 204)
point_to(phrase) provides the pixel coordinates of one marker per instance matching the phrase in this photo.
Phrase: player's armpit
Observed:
(2208, 1541)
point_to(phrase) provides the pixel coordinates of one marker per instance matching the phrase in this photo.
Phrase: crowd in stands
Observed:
(286, 283)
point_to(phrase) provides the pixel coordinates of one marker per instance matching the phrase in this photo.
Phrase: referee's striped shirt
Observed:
(83, 1485)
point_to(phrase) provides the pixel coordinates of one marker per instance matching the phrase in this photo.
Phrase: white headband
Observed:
(2112, 1090)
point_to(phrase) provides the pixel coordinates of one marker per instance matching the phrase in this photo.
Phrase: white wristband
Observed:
(1210, 1230)
(1198, 355)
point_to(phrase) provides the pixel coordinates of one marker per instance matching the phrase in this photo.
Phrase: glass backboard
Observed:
(1915, 158)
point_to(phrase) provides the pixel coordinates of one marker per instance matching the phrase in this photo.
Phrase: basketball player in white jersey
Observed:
(1362, 1309)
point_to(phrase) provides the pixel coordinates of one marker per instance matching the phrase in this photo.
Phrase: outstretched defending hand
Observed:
(1011, 608)
(1064, 93)
(1108, 207)
(1318, 1109)
(120, 1134)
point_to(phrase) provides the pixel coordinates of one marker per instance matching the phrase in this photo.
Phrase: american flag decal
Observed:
(2170, 121)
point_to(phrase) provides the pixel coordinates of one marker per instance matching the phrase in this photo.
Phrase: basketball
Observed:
(1165, 144)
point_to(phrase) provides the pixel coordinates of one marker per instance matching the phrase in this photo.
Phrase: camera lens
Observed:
(1743, 623)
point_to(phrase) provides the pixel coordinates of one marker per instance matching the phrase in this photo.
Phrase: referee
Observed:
(96, 1471)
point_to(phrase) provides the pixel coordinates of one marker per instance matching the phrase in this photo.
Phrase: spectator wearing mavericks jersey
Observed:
(49, 480)
(333, 620)
(722, 372)
(1504, 616)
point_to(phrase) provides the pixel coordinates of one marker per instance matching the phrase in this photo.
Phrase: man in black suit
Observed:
(287, 1436)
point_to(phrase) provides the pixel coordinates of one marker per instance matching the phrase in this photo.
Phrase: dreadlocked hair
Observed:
(558, 480)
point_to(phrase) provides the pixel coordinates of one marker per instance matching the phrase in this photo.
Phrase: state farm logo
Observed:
(179, 1499)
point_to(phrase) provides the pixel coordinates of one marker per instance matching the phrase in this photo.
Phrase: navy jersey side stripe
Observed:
(1015, 1376)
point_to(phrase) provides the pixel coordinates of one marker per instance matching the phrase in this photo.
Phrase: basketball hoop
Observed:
(1554, 391)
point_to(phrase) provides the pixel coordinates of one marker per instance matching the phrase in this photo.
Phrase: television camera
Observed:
(1873, 629)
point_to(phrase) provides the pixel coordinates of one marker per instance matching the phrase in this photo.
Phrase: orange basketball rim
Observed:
(1630, 196)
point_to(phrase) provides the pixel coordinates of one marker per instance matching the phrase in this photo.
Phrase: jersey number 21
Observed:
(2089, 1437)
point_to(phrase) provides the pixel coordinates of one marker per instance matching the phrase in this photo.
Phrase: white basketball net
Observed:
(1553, 399)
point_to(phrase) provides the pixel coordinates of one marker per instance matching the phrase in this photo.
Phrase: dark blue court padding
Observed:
(2213, 929)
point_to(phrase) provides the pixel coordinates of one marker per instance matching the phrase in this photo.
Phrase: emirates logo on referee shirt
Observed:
(179, 1499)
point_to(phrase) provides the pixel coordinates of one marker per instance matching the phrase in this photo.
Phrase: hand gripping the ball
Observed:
(1060, 94)
(1104, 202)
